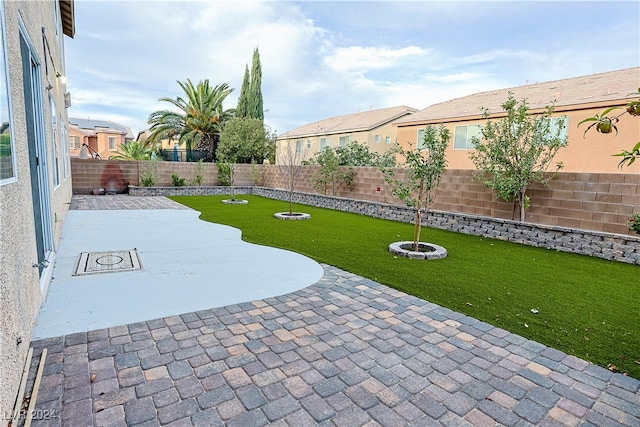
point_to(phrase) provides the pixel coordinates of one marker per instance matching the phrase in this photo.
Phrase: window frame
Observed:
(346, 138)
(325, 142)
(55, 155)
(468, 144)
(66, 157)
(112, 138)
(554, 126)
(4, 70)
(419, 142)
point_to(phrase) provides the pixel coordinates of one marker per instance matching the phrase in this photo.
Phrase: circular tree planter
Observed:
(235, 201)
(427, 250)
(292, 216)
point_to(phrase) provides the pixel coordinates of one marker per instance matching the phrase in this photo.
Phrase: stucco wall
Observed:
(592, 153)
(21, 289)
(363, 137)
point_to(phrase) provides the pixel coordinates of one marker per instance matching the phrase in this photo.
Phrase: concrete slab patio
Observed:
(344, 351)
(187, 265)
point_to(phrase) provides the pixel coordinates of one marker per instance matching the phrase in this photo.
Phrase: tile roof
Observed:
(362, 121)
(603, 87)
(89, 124)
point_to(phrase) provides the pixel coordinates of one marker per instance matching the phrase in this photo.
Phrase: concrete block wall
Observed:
(597, 202)
(621, 248)
(89, 174)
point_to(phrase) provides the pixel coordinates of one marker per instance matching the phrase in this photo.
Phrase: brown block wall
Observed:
(589, 201)
(89, 174)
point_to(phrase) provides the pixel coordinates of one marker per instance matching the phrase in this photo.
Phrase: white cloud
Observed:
(319, 61)
(361, 59)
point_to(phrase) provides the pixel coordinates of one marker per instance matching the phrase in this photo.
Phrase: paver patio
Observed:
(345, 351)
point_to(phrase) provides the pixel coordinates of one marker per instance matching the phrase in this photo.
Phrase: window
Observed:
(344, 140)
(420, 143)
(463, 135)
(387, 140)
(299, 145)
(555, 122)
(112, 143)
(8, 165)
(54, 141)
(74, 142)
(66, 161)
(325, 143)
(308, 143)
(377, 138)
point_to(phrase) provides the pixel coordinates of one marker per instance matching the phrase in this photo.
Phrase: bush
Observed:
(177, 181)
(634, 223)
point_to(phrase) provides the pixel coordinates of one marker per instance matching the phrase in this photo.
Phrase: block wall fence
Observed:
(596, 205)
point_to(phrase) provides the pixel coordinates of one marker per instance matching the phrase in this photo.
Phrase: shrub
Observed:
(177, 181)
(634, 223)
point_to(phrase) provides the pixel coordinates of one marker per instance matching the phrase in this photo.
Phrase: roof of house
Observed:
(101, 125)
(595, 88)
(355, 122)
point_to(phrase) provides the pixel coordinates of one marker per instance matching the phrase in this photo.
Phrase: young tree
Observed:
(331, 172)
(423, 168)
(227, 171)
(517, 150)
(291, 159)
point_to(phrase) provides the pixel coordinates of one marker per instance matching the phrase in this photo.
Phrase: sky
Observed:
(327, 58)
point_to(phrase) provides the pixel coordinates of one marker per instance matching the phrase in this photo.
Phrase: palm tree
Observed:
(200, 118)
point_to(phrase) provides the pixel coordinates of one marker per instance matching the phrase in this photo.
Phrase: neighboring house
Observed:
(372, 128)
(35, 173)
(575, 99)
(103, 137)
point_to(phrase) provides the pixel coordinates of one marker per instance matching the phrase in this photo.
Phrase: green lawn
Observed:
(587, 306)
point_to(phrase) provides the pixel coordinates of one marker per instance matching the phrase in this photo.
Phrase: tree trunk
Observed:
(418, 219)
(416, 231)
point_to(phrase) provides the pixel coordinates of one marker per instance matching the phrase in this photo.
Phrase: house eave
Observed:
(68, 17)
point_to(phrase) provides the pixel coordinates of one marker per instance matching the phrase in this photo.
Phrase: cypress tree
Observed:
(255, 108)
(243, 100)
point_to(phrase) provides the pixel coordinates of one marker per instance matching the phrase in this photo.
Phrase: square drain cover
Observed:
(107, 262)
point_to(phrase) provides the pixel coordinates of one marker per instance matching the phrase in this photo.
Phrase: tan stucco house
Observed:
(102, 137)
(575, 98)
(35, 173)
(373, 128)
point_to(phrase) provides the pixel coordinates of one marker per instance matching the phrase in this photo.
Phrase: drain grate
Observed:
(107, 262)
